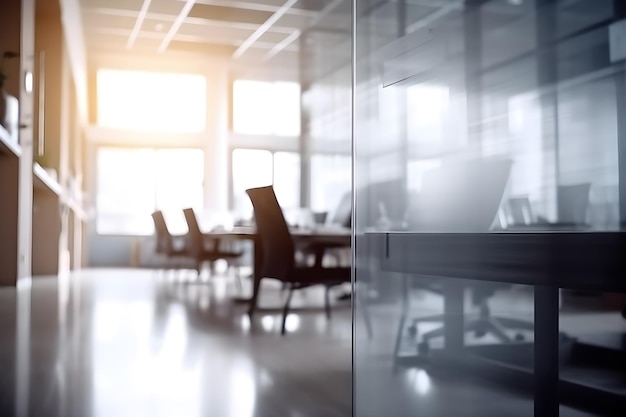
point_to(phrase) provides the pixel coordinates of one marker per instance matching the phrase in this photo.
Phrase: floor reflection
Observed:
(136, 343)
(133, 343)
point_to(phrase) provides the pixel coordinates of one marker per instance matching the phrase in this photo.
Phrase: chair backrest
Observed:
(573, 203)
(460, 197)
(194, 236)
(163, 235)
(273, 233)
(520, 211)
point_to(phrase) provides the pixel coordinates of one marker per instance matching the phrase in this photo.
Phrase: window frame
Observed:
(155, 192)
(265, 136)
(273, 152)
(200, 101)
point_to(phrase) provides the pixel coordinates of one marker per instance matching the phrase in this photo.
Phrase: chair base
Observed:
(494, 325)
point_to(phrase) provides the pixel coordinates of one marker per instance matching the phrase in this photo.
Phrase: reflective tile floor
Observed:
(133, 343)
(139, 343)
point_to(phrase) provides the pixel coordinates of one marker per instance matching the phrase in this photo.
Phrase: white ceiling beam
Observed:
(176, 25)
(138, 23)
(124, 33)
(280, 46)
(248, 5)
(165, 18)
(263, 28)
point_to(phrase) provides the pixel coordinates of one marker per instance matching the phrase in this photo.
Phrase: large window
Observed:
(151, 101)
(266, 108)
(257, 168)
(331, 178)
(133, 182)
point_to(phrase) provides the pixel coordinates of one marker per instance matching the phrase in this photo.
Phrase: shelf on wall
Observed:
(7, 146)
(76, 207)
(42, 180)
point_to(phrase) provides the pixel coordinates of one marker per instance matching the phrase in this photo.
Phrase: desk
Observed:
(547, 261)
(320, 239)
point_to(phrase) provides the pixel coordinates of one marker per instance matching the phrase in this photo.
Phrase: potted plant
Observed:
(9, 105)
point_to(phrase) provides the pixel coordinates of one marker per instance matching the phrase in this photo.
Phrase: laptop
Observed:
(460, 197)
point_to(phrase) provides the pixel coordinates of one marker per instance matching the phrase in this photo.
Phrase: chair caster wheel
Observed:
(519, 337)
(412, 331)
(423, 348)
(624, 313)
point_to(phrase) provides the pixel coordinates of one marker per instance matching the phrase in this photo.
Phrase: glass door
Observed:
(486, 149)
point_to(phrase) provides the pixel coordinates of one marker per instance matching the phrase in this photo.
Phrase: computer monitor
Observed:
(342, 216)
(460, 196)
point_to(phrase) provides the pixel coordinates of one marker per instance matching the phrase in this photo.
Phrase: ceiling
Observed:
(247, 32)
(268, 34)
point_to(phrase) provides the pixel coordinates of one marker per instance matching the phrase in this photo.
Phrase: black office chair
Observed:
(464, 197)
(279, 252)
(572, 203)
(202, 248)
(166, 244)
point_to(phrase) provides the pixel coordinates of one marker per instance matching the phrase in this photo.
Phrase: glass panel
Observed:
(592, 339)
(132, 183)
(285, 107)
(179, 184)
(126, 191)
(486, 151)
(266, 108)
(251, 168)
(330, 180)
(437, 347)
(287, 179)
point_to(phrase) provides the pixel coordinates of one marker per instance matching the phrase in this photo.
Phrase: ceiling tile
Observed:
(166, 7)
(204, 48)
(96, 20)
(215, 32)
(113, 4)
(229, 14)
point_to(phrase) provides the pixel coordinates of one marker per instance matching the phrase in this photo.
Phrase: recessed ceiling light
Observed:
(158, 27)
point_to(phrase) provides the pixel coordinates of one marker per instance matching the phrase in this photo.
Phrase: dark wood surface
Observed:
(591, 261)
(329, 236)
(547, 260)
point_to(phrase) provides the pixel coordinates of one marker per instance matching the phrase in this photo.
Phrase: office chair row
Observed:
(194, 245)
(278, 250)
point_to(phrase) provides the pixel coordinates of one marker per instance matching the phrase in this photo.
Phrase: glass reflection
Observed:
(23, 347)
(478, 128)
(267, 322)
(420, 380)
(242, 391)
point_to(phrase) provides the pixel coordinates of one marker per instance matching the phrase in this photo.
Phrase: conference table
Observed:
(546, 260)
(317, 239)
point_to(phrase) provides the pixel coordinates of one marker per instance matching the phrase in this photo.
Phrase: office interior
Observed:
(445, 172)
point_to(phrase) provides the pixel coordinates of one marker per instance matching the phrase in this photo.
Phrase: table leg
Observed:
(257, 264)
(546, 351)
(453, 321)
(255, 296)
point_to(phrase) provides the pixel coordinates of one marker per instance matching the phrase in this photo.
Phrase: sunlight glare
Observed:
(151, 101)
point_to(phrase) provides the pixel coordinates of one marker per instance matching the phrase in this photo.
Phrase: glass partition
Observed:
(486, 164)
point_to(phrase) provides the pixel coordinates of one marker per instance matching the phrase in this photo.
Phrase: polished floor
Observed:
(135, 343)
(141, 343)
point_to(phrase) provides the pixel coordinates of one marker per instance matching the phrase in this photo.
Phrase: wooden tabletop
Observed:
(592, 261)
(323, 235)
